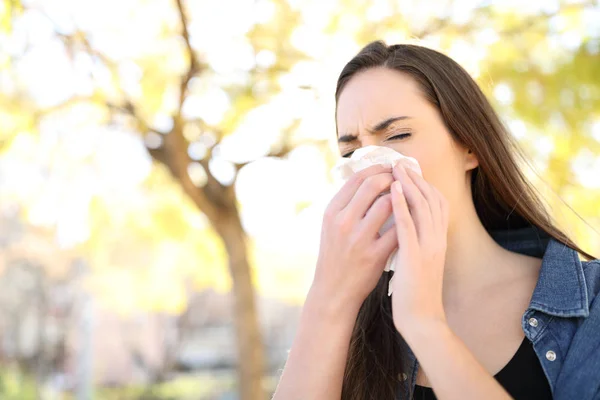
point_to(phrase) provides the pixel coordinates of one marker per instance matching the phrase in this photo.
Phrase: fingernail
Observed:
(397, 187)
(398, 170)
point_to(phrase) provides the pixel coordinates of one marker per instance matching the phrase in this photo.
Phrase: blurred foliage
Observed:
(546, 61)
(16, 386)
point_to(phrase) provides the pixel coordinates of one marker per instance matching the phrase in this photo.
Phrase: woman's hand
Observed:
(352, 254)
(421, 217)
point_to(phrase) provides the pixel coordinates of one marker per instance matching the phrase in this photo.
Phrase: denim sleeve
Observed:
(579, 377)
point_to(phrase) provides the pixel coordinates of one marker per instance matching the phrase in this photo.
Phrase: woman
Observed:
(491, 301)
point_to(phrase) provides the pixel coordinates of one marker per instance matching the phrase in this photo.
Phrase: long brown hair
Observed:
(503, 198)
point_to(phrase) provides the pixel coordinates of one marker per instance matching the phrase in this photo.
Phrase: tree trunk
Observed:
(219, 204)
(247, 328)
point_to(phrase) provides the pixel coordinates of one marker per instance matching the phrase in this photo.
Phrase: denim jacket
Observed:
(562, 320)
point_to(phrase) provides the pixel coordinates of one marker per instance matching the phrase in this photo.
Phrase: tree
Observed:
(170, 148)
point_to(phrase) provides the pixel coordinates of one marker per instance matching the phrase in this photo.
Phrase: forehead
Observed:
(374, 95)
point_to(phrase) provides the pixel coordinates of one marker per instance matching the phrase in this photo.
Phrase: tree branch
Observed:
(65, 104)
(285, 147)
(173, 152)
(194, 65)
(440, 24)
(185, 33)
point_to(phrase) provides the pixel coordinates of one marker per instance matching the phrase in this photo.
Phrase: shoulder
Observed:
(593, 265)
(591, 272)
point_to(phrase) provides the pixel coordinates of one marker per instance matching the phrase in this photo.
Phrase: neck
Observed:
(471, 257)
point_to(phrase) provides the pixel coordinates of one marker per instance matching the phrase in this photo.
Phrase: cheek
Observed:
(439, 161)
(439, 174)
(435, 160)
(441, 169)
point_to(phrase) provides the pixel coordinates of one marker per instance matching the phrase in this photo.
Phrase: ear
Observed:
(471, 161)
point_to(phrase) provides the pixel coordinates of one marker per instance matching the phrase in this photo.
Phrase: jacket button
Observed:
(533, 322)
(550, 355)
(402, 376)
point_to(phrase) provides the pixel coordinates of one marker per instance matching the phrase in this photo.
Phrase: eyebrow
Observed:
(347, 138)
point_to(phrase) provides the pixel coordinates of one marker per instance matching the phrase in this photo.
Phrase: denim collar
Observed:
(561, 289)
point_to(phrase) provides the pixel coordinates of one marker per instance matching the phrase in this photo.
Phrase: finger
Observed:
(405, 227)
(442, 204)
(377, 215)
(387, 243)
(444, 207)
(430, 194)
(348, 190)
(417, 204)
(366, 194)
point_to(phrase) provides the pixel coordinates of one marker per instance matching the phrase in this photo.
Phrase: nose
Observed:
(368, 141)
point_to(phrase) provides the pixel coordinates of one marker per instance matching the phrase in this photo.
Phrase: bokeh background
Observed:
(164, 167)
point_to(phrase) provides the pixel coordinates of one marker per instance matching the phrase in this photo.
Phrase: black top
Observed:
(523, 377)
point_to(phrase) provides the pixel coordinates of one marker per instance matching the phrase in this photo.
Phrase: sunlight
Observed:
(586, 166)
(88, 87)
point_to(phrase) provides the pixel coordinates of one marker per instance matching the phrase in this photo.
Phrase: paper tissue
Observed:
(365, 157)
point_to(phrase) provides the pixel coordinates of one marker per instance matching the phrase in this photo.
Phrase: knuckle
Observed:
(386, 182)
(344, 223)
(329, 214)
(371, 184)
(355, 180)
(361, 175)
(354, 241)
(421, 202)
(385, 202)
(380, 206)
(378, 183)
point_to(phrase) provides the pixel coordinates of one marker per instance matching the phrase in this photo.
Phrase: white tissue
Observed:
(365, 157)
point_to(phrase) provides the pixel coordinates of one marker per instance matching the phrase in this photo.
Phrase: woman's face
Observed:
(385, 107)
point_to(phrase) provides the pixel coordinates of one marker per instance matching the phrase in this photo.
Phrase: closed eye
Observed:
(395, 137)
(401, 136)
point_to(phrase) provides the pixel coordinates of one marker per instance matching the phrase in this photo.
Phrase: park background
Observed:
(164, 167)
